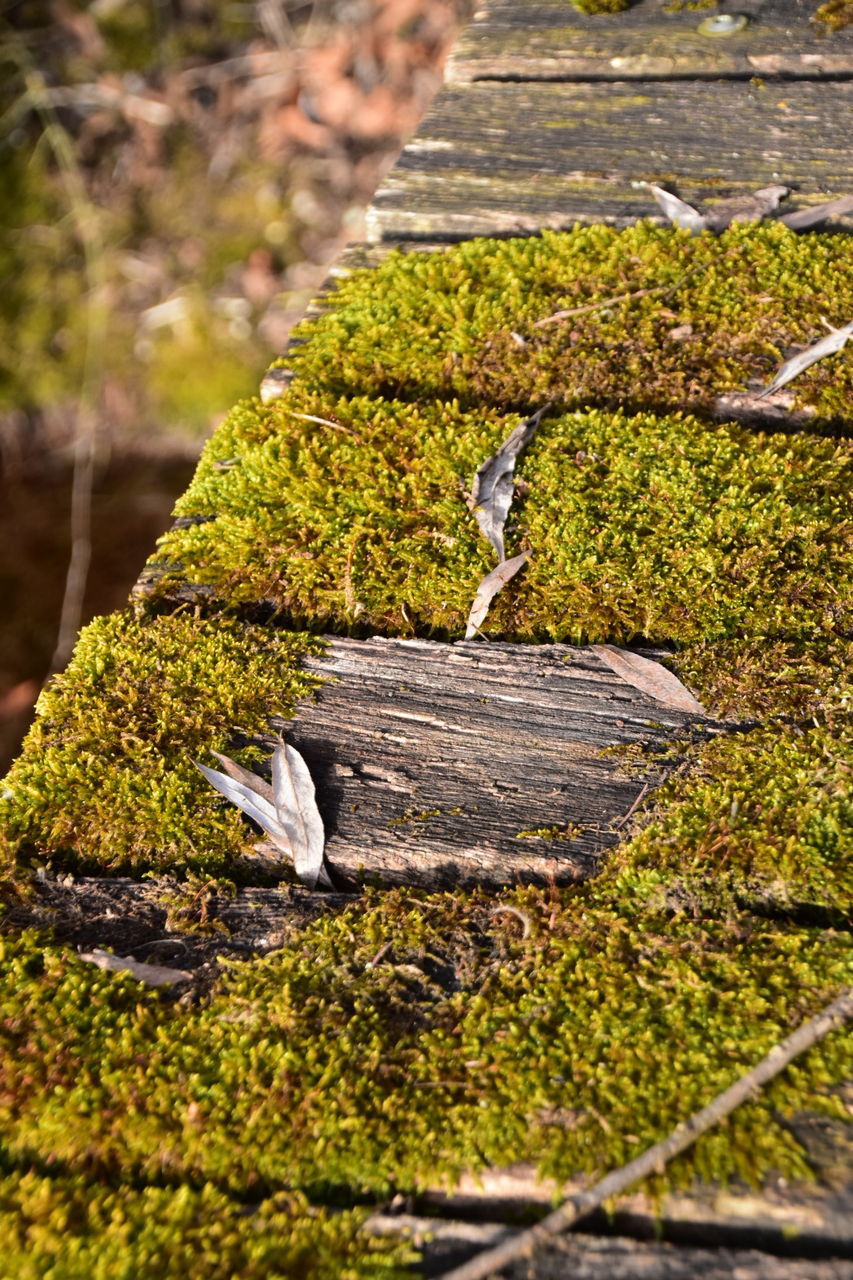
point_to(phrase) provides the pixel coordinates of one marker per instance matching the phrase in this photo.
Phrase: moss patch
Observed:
(76, 1228)
(657, 526)
(106, 778)
(687, 318)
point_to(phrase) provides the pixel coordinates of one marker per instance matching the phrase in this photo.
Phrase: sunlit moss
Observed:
(106, 775)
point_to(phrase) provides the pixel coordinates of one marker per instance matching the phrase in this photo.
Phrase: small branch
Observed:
(601, 305)
(655, 1158)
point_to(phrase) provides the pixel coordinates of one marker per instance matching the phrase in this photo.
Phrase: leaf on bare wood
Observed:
(489, 588)
(678, 211)
(792, 368)
(286, 810)
(491, 492)
(296, 807)
(153, 975)
(649, 677)
(803, 219)
(747, 208)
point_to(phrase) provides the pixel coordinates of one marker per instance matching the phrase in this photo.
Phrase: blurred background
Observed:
(175, 178)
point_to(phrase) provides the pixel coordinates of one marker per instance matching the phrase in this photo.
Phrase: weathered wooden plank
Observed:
(551, 40)
(499, 159)
(447, 1244)
(432, 761)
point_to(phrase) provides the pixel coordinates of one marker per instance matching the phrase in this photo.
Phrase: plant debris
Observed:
(832, 343)
(489, 588)
(649, 677)
(286, 810)
(152, 975)
(744, 208)
(491, 492)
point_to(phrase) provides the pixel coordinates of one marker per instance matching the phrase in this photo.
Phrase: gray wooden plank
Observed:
(432, 761)
(550, 39)
(503, 159)
(447, 1244)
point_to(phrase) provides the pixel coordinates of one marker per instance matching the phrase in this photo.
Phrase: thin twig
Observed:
(611, 302)
(656, 1157)
(620, 822)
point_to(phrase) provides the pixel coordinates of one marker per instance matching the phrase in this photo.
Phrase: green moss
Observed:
(835, 15)
(764, 820)
(600, 6)
(106, 777)
(445, 324)
(657, 526)
(76, 1228)
(335, 1073)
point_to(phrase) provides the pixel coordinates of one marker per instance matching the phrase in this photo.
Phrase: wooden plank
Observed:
(447, 1244)
(551, 40)
(499, 159)
(432, 761)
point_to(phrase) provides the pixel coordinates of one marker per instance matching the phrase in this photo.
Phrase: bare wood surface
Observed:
(814, 1219)
(431, 761)
(591, 1257)
(502, 159)
(530, 1242)
(550, 39)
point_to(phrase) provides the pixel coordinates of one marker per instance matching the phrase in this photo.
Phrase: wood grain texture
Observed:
(447, 1244)
(551, 40)
(431, 760)
(504, 159)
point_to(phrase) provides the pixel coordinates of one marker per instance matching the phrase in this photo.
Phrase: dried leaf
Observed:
(247, 797)
(153, 975)
(286, 810)
(296, 808)
(803, 219)
(682, 214)
(792, 368)
(491, 492)
(649, 677)
(746, 208)
(489, 588)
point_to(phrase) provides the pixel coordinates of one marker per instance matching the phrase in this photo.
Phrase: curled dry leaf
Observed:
(153, 975)
(491, 492)
(747, 208)
(678, 211)
(803, 219)
(286, 810)
(649, 677)
(489, 588)
(792, 368)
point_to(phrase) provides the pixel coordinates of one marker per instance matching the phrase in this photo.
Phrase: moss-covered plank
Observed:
(554, 39)
(500, 159)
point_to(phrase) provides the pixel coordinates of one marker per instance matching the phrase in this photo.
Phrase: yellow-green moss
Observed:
(447, 1056)
(449, 324)
(835, 14)
(106, 777)
(600, 6)
(76, 1228)
(764, 819)
(665, 527)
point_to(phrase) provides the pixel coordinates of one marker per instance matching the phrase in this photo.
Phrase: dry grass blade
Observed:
(792, 368)
(678, 211)
(649, 677)
(489, 588)
(654, 1158)
(491, 492)
(298, 815)
(152, 975)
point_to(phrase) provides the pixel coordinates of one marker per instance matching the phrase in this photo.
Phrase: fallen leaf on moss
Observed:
(489, 588)
(286, 810)
(747, 208)
(491, 492)
(153, 975)
(792, 368)
(803, 219)
(649, 677)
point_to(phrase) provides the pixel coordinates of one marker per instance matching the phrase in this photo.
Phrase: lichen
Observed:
(106, 777)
